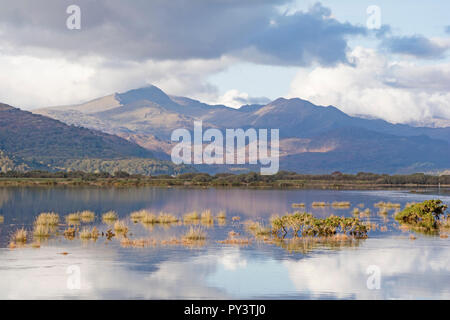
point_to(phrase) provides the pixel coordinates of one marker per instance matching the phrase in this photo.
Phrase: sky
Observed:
(382, 59)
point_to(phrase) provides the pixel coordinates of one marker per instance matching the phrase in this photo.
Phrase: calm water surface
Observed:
(409, 269)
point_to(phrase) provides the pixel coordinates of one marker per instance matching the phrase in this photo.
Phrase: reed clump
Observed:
(41, 231)
(194, 234)
(89, 234)
(222, 215)
(47, 218)
(87, 216)
(137, 243)
(137, 216)
(110, 216)
(298, 205)
(318, 204)
(2, 219)
(120, 227)
(148, 218)
(207, 218)
(257, 228)
(191, 217)
(341, 204)
(166, 218)
(70, 233)
(20, 236)
(73, 218)
(388, 205)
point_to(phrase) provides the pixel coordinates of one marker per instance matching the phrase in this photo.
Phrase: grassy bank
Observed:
(282, 180)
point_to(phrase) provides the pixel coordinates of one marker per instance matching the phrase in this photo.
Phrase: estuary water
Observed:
(390, 264)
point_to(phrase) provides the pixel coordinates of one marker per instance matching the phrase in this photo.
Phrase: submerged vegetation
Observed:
(296, 232)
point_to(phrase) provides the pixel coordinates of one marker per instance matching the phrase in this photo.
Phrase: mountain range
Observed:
(313, 139)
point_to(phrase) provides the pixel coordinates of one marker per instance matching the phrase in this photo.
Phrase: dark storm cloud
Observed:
(416, 45)
(178, 29)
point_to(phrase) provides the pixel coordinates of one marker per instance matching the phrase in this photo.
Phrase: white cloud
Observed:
(28, 81)
(399, 91)
(235, 99)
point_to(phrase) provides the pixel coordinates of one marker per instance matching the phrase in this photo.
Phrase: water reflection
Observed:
(409, 269)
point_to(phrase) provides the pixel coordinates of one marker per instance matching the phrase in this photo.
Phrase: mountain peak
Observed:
(151, 93)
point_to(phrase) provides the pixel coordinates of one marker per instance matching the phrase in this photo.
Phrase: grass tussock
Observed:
(207, 218)
(89, 234)
(298, 205)
(137, 216)
(319, 204)
(20, 236)
(236, 218)
(70, 233)
(191, 217)
(341, 204)
(148, 218)
(388, 205)
(257, 228)
(47, 219)
(120, 227)
(2, 219)
(87, 216)
(42, 231)
(110, 216)
(73, 218)
(222, 215)
(195, 234)
(166, 218)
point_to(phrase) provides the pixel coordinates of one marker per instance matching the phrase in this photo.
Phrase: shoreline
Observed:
(189, 184)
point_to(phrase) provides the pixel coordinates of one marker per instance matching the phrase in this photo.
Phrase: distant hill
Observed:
(314, 139)
(29, 141)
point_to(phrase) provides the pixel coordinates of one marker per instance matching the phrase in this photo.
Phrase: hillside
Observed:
(316, 139)
(29, 141)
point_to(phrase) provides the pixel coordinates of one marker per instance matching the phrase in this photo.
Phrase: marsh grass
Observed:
(166, 218)
(191, 217)
(20, 236)
(236, 218)
(388, 205)
(257, 228)
(2, 219)
(47, 219)
(137, 216)
(298, 205)
(121, 227)
(89, 234)
(319, 204)
(73, 218)
(222, 215)
(87, 216)
(207, 218)
(42, 231)
(109, 217)
(70, 233)
(234, 240)
(148, 218)
(341, 204)
(195, 234)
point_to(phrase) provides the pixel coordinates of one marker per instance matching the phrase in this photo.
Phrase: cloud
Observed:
(29, 81)
(416, 45)
(177, 30)
(398, 92)
(235, 99)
